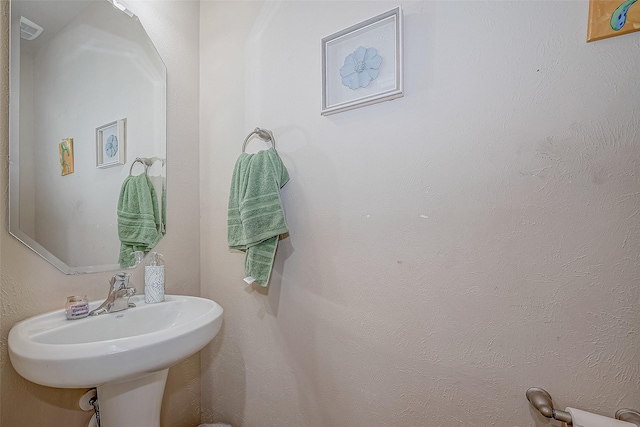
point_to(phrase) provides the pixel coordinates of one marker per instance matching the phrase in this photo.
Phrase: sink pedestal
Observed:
(133, 403)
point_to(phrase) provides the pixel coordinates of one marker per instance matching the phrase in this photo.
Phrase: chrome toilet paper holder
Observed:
(541, 400)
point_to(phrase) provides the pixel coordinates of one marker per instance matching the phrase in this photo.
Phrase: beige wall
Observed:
(31, 286)
(447, 250)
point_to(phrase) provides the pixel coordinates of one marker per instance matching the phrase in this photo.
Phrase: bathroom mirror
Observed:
(87, 98)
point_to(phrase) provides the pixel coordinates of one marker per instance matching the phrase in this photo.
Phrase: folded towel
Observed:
(256, 217)
(139, 222)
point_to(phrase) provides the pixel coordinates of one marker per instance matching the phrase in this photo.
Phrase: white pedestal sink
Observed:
(126, 354)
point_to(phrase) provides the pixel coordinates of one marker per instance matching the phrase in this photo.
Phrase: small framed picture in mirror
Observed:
(65, 149)
(111, 144)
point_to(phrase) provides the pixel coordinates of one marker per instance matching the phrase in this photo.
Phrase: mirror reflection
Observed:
(87, 98)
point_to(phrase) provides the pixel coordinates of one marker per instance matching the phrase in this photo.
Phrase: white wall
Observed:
(29, 285)
(448, 249)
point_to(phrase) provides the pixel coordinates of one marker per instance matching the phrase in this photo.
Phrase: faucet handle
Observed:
(119, 294)
(119, 281)
(130, 292)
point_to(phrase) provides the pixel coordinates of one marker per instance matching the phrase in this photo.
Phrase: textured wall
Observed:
(31, 286)
(448, 249)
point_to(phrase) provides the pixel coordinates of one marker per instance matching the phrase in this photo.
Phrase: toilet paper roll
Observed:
(588, 419)
(93, 422)
(85, 400)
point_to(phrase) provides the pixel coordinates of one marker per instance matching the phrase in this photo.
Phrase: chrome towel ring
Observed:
(145, 162)
(264, 134)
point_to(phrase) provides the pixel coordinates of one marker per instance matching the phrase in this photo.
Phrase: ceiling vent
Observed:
(29, 30)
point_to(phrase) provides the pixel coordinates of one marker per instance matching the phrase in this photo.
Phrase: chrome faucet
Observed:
(119, 294)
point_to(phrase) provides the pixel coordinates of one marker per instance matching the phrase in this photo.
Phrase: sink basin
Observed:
(50, 350)
(126, 355)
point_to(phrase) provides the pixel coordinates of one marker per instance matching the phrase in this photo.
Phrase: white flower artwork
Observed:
(362, 64)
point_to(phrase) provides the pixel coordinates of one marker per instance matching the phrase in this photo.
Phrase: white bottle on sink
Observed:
(154, 280)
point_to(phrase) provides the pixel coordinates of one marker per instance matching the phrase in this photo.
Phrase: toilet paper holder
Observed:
(541, 400)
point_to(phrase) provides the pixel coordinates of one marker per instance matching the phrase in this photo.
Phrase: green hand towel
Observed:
(139, 223)
(256, 217)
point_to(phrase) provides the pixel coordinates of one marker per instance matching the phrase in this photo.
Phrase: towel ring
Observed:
(264, 134)
(140, 160)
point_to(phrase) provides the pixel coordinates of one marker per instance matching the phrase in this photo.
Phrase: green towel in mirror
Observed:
(139, 222)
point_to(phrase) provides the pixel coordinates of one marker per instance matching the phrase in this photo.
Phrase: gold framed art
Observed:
(65, 149)
(610, 18)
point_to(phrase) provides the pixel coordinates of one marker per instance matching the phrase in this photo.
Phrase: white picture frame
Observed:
(111, 144)
(381, 35)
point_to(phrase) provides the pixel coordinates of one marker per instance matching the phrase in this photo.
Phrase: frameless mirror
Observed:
(87, 98)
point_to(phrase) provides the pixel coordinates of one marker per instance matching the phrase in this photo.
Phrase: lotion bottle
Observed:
(154, 280)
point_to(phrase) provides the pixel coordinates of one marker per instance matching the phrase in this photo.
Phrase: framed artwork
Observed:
(111, 144)
(610, 18)
(362, 64)
(65, 149)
